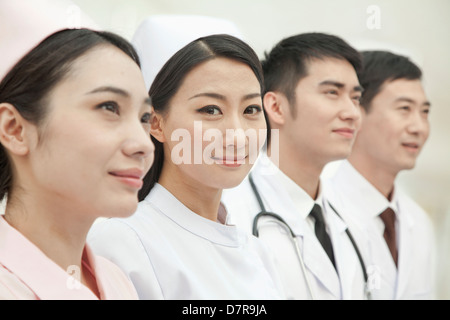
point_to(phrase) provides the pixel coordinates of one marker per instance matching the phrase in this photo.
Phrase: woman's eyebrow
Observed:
(111, 89)
(121, 92)
(209, 94)
(252, 96)
(222, 97)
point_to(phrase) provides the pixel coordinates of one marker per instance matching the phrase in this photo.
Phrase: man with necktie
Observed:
(393, 232)
(311, 103)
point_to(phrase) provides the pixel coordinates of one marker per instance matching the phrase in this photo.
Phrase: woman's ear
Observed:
(156, 129)
(12, 130)
(274, 106)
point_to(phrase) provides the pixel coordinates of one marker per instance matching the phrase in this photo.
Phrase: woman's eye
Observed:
(109, 106)
(210, 110)
(252, 110)
(147, 118)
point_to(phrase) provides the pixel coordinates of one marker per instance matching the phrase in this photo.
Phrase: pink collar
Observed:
(44, 278)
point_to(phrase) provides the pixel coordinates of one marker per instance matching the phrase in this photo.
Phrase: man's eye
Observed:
(405, 108)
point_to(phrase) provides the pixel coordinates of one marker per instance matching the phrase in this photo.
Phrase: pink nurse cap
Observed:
(24, 23)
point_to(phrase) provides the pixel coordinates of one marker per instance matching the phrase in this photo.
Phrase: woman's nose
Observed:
(138, 144)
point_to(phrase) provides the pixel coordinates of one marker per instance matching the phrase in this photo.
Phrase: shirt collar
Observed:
(364, 195)
(167, 204)
(300, 198)
(42, 275)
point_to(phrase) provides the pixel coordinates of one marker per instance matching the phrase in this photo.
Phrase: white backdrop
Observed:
(417, 28)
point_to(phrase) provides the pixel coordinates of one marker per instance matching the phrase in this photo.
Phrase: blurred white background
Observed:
(416, 28)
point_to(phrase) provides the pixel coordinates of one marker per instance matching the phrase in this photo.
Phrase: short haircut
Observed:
(380, 67)
(287, 63)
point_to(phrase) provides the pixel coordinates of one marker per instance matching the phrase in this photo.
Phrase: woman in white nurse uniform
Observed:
(178, 245)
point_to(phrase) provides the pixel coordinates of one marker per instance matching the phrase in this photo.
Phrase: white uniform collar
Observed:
(166, 203)
(300, 198)
(372, 201)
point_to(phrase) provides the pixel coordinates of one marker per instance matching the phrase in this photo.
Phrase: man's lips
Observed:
(412, 146)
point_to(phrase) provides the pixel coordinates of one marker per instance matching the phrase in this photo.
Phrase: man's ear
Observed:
(274, 106)
(361, 119)
(156, 129)
(12, 130)
(363, 111)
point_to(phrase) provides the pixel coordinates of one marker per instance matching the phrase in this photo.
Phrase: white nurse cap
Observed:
(160, 36)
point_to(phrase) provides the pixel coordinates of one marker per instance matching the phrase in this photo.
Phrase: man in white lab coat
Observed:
(312, 107)
(395, 235)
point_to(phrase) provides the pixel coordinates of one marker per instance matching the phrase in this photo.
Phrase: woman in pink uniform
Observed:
(74, 133)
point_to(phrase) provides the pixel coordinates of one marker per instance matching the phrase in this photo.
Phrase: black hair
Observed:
(287, 63)
(172, 74)
(380, 67)
(27, 85)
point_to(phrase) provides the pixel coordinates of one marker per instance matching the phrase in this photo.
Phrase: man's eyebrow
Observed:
(406, 99)
(111, 89)
(340, 85)
(332, 83)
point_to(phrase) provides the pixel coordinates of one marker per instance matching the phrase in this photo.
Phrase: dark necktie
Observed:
(388, 217)
(321, 232)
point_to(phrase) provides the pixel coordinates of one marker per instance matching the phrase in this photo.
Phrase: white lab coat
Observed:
(360, 204)
(170, 252)
(325, 282)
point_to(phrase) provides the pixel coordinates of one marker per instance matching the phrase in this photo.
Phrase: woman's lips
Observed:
(231, 162)
(130, 177)
(345, 132)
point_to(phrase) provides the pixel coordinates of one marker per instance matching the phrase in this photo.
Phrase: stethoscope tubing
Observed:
(293, 237)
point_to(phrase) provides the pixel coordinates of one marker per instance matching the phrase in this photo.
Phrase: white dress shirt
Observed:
(170, 252)
(283, 197)
(360, 205)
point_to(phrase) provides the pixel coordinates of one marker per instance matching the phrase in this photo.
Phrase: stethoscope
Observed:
(280, 221)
